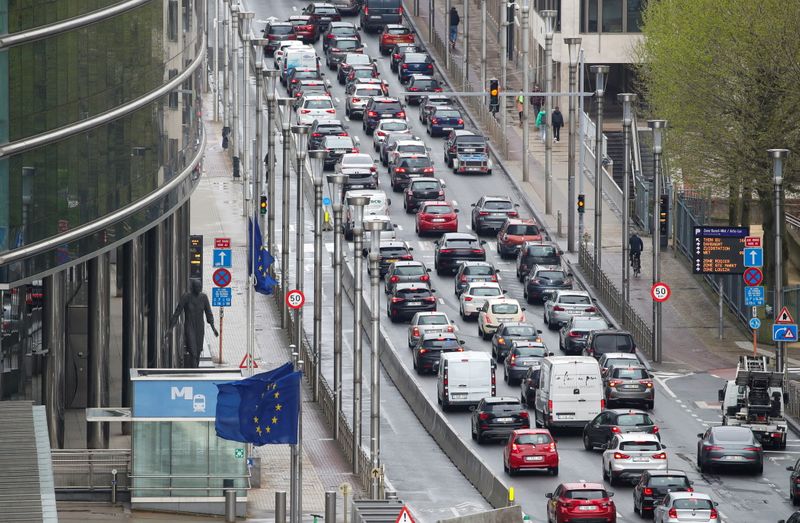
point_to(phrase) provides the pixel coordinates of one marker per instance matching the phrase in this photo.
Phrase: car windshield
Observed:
(631, 374)
(424, 186)
(348, 44)
(338, 141)
(394, 126)
(388, 106)
(398, 31)
(415, 57)
(318, 104)
(412, 148)
(640, 446)
(588, 325)
(478, 270)
(505, 308)
(613, 343)
(365, 73)
(733, 436)
(442, 343)
(437, 209)
(357, 160)
(669, 481)
(409, 270)
(613, 362)
(462, 244)
(438, 101)
(585, 494)
(433, 319)
(355, 58)
(389, 252)
(532, 439)
(571, 299)
(520, 331)
(343, 30)
(541, 250)
(634, 420)
(551, 275)
(300, 75)
(692, 504)
(329, 129)
(413, 291)
(416, 162)
(447, 114)
(280, 29)
(425, 83)
(495, 205)
(367, 91)
(501, 406)
(523, 230)
(531, 352)
(325, 10)
(484, 291)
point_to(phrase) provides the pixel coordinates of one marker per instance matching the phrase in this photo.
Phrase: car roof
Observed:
(688, 495)
(497, 198)
(465, 132)
(610, 331)
(637, 436)
(393, 120)
(620, 355)
(424, 178)
(583, 486)
(409, 141)
(421, 77)
(670, 472)
(730, 428)
(572, 293)
(393, 243)
(548, 268)
(521, 221)
(500, 399)
(432, 313)
(278, 23)
(317, 97)
(345, 38)
(532, 243)
(385, 99)
(395, 26)
(519, 432)
(327, 122)
(322, 4)
(459, 236)
(343, 24)
(476, 284)
(493, 301)
(353, 156)
(411, 57)
(474, 263)
(516, 324)
(528, 343)
(362, 66)
(408, 263)
(620, 412)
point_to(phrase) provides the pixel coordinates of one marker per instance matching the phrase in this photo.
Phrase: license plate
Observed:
(733, 458)
(414, 303)
(640, 460)
(392, 260)
(504, 420)
(498, 214)
(587, 507)
(566, 416)
(459, 396)
(373, 17)
(341, 151)
(630, 386)
(469, 150)
(438, 220)
(447, 128)
(534, 458)
(360, 186)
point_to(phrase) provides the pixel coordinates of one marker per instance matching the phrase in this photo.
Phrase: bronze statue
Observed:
(193, 304)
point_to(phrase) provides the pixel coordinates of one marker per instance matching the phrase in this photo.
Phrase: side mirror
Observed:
(462, 342)
(716, 503)
(560, 252)
(721, 395)
(472, 205)
(569, 275)
(549, 495)
(388, 201)
(427, 270)
(604, 446)
(457, 210)
(483, 242)
(538, 331)
(436, 242)
(444, 184)
(472, 408)
(411, 248)
(497, 271)
(790, 469)
(516, 205)
(524, 308)
(700, 435)
(357, 140)
(550, 354)
(663, 446)
(611, 494)
(433, 290)
(435, 367)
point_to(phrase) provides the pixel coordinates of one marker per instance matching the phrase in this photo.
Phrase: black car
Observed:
(377, 13)
(489, 213)
(461, 137)
(420, 83)
(602, 428)
(381, 107)
(399, 50)
(572, 336)
(322, 128)
(308, 88)
(522, 356)
(729, 446)
(542, 280)
(338, 47)
(600, 342)
(408, 166)
(347, 7)
(794, 483)
(392, 251)
(414, 63)
(335, 147)
(536, 253)
(275, 33)
(427, 103)
(497, 417)
(471, 271)
(406, 272)
(339, 29)
(654, 485)
(408, 299)
(347, 63)
(508, 333)
(295, 75)
(456, 247)
(528, 386)
(322, 14)
(794, 518)
(430, 347)
(422, 190)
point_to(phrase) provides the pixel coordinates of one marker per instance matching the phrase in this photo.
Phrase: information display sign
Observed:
(719, 250)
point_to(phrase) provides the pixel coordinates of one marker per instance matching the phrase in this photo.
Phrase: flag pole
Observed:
(293, 502)
(299, 475)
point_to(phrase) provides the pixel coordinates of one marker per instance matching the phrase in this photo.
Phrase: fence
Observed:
(89, 470)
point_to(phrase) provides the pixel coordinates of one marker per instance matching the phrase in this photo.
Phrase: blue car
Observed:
(414, 63)
(443, 119)
(379, 107)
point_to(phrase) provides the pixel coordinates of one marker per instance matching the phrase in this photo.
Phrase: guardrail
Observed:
(89, 470)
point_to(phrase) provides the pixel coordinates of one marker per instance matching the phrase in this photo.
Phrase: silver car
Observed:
(677, 507)
(356, 97)
(630, 454)
(389, 126)
(428, 323)
(563, 305)
(475, 295)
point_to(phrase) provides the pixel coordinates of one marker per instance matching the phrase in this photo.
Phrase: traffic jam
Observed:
(494, 324)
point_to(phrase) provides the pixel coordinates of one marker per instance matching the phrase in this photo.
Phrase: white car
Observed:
(315, 107)
(378, 206)
(428, 323)
(563, 305)
(497, 311)
(628, 455)
(281, 50)
(385, 127)
(475, 295)
(361, 171)
(677, 507)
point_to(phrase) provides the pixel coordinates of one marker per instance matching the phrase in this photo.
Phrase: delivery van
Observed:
(570, 392)
(298, 58)
(464, 378)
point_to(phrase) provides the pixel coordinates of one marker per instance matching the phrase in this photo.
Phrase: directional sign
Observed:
(326, 201)
(295, 299)
(753, 276)
(784, 332)
(222, 243)
(752, 241)
(754, 296)
(719, 250)
(221, 277)
(755, 323)
(660, 292)
(753, 257)
(784, 317)
(222, 258)
(221, 296)
(404, 516)
(238, 453)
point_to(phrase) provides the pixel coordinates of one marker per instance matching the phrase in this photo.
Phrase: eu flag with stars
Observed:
(264, 282)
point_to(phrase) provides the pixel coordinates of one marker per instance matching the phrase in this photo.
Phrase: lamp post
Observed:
(375, 224)
(216, 60)
(244, 26)
(235, 77)
(271, 75)
(357, 203)
(627, 99)
(549, 23)
(317, 158)
(300, 132)
(226, 68)
(483, 49)
(778, 156)
(573, 45)
(285, 110)
(526, 82)
(600, 72)
(503, 65)
(658, 127)
(337, 181)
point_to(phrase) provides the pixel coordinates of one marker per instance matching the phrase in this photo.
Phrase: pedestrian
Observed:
(541, 123)
(520, 107)
(558, 123)
(454, 21)
(537, 101)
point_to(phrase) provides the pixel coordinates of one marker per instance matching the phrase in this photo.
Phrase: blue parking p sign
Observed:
(221, 297)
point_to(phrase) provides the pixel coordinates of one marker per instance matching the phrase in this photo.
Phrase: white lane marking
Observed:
(441, 301)
(337, 100)
(398, 227)
(663, 383)
(455, 203)
(294, 8)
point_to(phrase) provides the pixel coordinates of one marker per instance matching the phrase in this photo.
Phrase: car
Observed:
(628, 455)
(406, 272)
(285, 45)
(276, 32)
(428, 322)
(612, 359)
(322, 14)
(408, 299)
(609, 340)
(420, 83)
(654, 485)
(428, 102)
(424, 189)
(489, 213)
(392, 251)
(304, 28)
(410, 166)
(522, 356)
(347, 7)
(427, 351)
(676, 507)
(573, 334)
(563, 305)
(387, 127)
(530, 449)
(497, 311)
(360, 72)
(349, 60)
(510, 332)
(528, 385)
(388, 144)
(629, 384)
(443, 119)
(497, 418)
(335, 29)
(309, 87)
(322, 128)
(297, 74)
(335, 147)
(378, 206)
(356, 96)
(399, 50)
(515, 232)
(469, 271)
(375, 14)
(338, 47)
(794, 483)
(461, 138)
(794, 518)
(475, 295)
(536, 253)
(576, 502)
(411, 145)
(609, 422)
(454, 248)
(392, 35)
(360, 170)
(378, 108)
(729, 446)
(414, 63)
(298, 57)
(315, 107)
(543, 280)
(436, 217)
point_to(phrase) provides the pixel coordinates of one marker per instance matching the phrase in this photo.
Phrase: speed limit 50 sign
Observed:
(660, 292)
(295, 299)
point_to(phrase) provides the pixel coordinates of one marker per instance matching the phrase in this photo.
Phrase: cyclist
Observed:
(636, 245)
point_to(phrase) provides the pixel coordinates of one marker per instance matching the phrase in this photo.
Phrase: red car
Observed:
(392, 35)
(436, 217)
(304, 28)
(514, 233)
(576, 502)
(530, 449)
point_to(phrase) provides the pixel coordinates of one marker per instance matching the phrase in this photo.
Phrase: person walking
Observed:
(537, 101)
(520, 107)
(454, 21)
(558, 123)
(541, 123)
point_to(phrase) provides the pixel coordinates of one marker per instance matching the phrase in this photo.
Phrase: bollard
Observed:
(230, 500)
(280, 506)
(330, 506)
(113, 486)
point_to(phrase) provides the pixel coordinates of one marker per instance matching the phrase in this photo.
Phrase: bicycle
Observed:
(636, 263)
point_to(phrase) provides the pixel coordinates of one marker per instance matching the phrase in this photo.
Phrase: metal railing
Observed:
(90, 469)
(792, 406)
(642, 213)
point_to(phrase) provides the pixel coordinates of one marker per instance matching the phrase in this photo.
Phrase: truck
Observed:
(755, 399)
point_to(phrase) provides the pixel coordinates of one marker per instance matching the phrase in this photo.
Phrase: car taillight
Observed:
(394, 279)
(400, 170)
(400, 10)
(574, 334)
(714, 514)
(397, 300)
(616, 430)
(372, 113)
(437, 90)
(424, 277)
(647, 491)
(441, 193)
(673, 514)
(413, 88)
(331, 110)
(450, 328)
(708, 448)
(654, 430)
(428, 170)
(463, 277)
(354, 150)
(373, 169)
(477, 251)
(614, 383)
(523, 414)
(401, 114)
(396, 56)
(415, 331)
(620, 455)
(445, 251)
(550, 406)
(467, 298)
(660, 455)
(752, 449)
(298, 94)
(591, 309)
(602, 405)
(647, 383)
(434, 120)
(294, 80)
(460, 121)
(483, 416)
(316, 135)
(356, 100)
(513, 362)
(429, 299)
(689, 489)
(405, 66)
(430, 66)
(305, 111)
(510, 213)
(558, 308)
(483, 213)
(343, 134)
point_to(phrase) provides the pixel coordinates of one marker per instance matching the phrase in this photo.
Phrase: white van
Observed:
(464, 378)
(298, 58)
(378, 206)
(570, 392)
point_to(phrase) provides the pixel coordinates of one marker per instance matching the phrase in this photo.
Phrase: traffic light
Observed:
(263, 205)
(663, 216)
(581, 203)
(494, 95)
(236, 173)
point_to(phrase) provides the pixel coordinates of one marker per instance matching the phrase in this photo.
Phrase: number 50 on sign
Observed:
(660, 292)
(295, 299)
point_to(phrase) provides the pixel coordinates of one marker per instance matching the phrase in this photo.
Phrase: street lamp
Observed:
(600, 72)
(337, 181)
(285, 112)
(526, 84)
(301, 145)
(573, 45)
(357, 203)
(778, 156)
(317, 159)
(271, 75)
(549, 23)
(375, 224)
(627, 99)
(244, 26)
(658, 127)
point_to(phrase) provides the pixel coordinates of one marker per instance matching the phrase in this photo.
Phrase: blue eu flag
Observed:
(264, 282)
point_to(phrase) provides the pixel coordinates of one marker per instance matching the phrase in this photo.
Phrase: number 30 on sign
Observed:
(295, 299)
(660, 292)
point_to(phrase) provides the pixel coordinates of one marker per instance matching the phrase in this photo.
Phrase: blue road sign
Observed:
(755, 323)
(754, 296)
(326, 201)
(754, 257)
(221, 296)
(222, 258)
(784, 332)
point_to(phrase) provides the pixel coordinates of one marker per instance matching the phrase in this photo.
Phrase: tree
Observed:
(726, 74)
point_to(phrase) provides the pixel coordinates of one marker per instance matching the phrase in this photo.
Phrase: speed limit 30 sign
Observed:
(295, 299)
(660, 292)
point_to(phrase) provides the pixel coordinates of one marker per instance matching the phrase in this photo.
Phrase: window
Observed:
(522, 230)
(172, 20)
(533, 439)
(505, 308)
(437, 209)
(634, 420)
(611, 16)
(555, 5)
(692, 504)
(409, 270)
(432, 320)
(586, 494)
(485, 291)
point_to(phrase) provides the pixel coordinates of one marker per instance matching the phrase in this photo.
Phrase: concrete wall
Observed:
(501, 515)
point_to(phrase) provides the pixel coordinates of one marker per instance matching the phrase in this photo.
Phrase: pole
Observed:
(358, 203)
(300, 132)
(447, 43)
(216, 60)
(280, 506)
(226, 59)
(246, 174)
(526, 81)
(483, 48)
(549, 21)
(317, 281)
(627, 100)
(721, 306)
(330, 504)
(465, 54)
(573, 45)
(581, 141)
(431, 8)
(221, 318)
(271, 130)
(293, 457)
(778, 156)
(336, 180)
(235, 80)
(503, 67)
(299, 477)
(285, 218)
(658, 126)
(600, 72)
